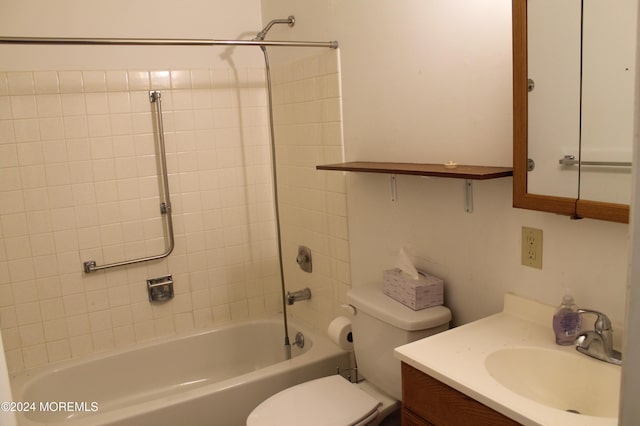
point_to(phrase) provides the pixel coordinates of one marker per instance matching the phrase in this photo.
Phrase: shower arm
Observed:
(291, 21)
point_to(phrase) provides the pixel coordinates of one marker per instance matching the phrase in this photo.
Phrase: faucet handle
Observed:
(603, 323)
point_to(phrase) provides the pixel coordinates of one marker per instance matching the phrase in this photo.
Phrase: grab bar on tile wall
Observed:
(165, 203)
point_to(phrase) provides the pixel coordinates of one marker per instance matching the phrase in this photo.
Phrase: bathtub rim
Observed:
(322, 348)
(155, 341)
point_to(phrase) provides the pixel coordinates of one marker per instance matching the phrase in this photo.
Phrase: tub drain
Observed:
(572, 411)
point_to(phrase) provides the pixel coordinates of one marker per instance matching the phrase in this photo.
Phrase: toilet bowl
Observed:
(379, 325)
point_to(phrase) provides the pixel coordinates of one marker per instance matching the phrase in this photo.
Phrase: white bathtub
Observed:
(215, 377)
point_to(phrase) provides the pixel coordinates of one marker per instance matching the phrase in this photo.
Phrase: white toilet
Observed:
(379, 325)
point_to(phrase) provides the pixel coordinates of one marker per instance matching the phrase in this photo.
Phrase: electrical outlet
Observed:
(532, 247)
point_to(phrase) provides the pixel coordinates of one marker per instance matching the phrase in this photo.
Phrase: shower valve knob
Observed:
(304, 259)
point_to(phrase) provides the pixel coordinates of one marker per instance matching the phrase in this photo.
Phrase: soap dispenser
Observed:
(566, 321)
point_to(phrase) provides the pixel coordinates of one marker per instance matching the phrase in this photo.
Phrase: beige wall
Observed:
(421, 81)
(210, 19)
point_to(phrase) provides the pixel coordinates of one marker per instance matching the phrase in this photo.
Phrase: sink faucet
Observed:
(598, 343)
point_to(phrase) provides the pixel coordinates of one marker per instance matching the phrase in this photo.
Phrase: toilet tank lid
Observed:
(371, 300)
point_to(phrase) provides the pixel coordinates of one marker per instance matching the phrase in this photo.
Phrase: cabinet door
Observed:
(440, 404)
(411, 419)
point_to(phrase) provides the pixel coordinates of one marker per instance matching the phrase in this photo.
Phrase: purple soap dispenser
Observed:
(566, 321)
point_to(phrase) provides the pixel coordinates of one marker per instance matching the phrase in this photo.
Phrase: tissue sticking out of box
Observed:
(406, 265)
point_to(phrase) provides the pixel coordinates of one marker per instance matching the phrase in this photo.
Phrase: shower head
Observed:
(291, 21)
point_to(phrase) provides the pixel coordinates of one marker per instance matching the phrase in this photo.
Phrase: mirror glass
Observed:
(580, 66)
(608, 79)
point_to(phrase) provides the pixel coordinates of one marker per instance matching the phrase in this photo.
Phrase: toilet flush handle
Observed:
(349, 309)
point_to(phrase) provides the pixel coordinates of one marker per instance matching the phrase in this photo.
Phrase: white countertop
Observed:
(457, 358)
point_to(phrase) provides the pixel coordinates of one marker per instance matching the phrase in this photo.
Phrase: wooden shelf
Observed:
(421, 169)
(468, 173)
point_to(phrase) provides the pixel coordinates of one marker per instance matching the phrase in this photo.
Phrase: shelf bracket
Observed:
(468, 195)
(394, 188)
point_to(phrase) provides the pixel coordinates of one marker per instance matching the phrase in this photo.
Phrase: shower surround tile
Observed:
(78, 181)
(308, 128)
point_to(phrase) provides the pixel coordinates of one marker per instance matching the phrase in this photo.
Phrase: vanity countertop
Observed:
(457, 358)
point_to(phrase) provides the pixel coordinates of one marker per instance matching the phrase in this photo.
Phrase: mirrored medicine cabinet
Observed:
(573, 102)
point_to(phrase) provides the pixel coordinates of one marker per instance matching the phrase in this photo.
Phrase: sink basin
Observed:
(559, 379)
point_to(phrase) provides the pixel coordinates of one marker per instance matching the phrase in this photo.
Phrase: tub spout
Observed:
(304, 294)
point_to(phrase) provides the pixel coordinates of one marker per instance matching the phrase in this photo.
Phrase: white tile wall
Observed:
(308, 124)
(78, 182)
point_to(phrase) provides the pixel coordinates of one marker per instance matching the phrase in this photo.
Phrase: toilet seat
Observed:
(326, 401)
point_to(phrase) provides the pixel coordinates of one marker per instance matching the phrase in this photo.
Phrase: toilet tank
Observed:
(381, 324)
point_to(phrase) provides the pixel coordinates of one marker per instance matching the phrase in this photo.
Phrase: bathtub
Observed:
(214, 377)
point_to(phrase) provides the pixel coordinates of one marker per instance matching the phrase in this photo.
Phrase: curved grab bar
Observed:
(165, 205)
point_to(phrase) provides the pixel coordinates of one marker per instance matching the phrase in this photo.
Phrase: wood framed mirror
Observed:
(572, 205)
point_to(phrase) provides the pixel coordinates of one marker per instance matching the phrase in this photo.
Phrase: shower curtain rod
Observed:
(162, 42)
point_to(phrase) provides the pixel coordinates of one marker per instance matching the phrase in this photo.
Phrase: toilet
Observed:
(379, 325)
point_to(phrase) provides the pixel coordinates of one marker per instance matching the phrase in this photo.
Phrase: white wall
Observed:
(390, 54)
(127, 19)
(630, 411)
(430, 81)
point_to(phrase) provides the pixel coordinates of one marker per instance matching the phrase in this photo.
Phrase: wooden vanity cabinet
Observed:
(429, 402)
